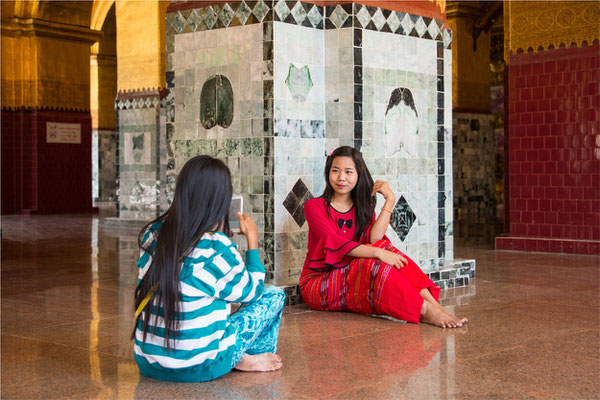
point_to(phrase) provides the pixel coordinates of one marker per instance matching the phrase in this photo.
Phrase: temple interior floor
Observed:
(67, 310)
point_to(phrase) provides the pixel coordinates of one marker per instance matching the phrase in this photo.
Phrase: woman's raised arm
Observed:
(383, 220)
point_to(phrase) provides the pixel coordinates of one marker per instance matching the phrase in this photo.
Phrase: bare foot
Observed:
(461, 320)
(259, 363)
(434, 314)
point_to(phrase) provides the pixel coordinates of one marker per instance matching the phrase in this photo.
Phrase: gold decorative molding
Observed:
(455, 9)
(102, 60)
(535, 24)
(45, 64)
(36, 27)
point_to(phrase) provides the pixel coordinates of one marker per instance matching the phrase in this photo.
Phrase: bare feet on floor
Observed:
(461, 320)
(259, 363)
(435, 314)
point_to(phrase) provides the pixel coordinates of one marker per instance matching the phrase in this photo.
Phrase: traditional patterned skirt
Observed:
(369, 286)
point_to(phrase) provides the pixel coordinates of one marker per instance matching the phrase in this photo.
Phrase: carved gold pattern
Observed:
(535, 24)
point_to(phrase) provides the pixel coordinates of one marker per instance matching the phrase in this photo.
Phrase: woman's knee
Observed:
(276, 294)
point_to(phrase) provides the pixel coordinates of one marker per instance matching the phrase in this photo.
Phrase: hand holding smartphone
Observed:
(237, 206)
(241, 223)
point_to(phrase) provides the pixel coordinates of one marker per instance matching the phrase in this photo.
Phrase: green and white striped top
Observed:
(212, 277)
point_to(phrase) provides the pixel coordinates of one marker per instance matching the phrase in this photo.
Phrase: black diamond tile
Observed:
(372, 10)
(291, 202)
(348, 8)
(329, 10)
(414, 33)
(348, 22)
(402, 219)
(295, 200)
(400, 30)
(298, 216)
(299, 189)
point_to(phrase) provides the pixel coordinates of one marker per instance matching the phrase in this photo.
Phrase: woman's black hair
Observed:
(361, 194)
(200, 204)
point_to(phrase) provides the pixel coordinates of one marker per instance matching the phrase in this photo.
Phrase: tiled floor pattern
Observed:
(67, 312)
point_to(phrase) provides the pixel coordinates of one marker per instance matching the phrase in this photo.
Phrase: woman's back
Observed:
(212, 276)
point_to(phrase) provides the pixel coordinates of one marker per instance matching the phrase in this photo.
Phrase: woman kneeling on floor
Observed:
(189, 274)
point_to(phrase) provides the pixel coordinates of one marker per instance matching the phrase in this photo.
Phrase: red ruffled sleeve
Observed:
(327, 249)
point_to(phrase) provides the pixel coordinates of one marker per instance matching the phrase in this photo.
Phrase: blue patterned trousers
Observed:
(257, 324)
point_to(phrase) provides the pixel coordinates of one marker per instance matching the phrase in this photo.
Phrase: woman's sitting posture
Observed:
(351, 264)
(189, 274)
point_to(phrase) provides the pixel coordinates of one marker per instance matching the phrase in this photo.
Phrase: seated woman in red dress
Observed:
(351, 265)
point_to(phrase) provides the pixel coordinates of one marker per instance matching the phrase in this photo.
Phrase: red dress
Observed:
(331, 280)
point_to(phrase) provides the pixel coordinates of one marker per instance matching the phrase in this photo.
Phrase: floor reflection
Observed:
(67, 315)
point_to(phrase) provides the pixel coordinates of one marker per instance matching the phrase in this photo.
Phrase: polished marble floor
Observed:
(67, 310)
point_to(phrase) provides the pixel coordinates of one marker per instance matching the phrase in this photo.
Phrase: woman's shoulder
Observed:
(212, 245)
(215, 240)
(315, 202)
(150, 233)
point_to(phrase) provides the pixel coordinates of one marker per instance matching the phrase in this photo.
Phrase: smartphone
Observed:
(237, 206)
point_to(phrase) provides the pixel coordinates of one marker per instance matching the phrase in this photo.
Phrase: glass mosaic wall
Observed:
(272, 87)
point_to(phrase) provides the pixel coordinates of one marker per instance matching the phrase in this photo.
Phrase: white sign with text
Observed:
(58, 132)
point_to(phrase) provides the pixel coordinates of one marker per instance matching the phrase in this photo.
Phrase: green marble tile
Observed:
(257, 146)
(231, 147)
(246, 146)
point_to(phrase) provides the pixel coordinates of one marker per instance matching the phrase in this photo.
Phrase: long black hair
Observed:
(361, 194)
(200, 204)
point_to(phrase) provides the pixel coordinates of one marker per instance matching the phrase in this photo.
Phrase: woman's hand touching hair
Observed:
(391, 258)
(248, 229)
(384, 189)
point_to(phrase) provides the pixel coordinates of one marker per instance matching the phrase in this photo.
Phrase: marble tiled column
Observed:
(302, 80)
(104, 167)
(141, 156)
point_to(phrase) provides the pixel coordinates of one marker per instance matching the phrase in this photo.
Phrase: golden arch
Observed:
(100, 9)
